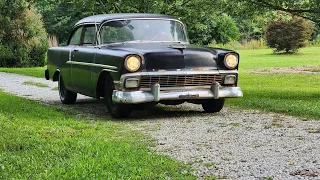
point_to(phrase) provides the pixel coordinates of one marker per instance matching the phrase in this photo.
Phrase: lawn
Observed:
(35, 71)
(293, 94)
(265, 58)
(42, 142)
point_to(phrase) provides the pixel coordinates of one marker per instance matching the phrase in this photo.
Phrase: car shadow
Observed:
(94, 108)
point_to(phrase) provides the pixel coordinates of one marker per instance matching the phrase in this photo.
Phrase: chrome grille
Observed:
(180, 80)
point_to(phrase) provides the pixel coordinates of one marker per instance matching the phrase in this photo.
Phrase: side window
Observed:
(76, 37)
(89, 35)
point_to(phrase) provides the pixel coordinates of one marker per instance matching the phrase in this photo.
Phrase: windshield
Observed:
(139, 30)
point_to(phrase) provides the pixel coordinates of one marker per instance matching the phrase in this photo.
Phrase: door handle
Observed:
(76, 50)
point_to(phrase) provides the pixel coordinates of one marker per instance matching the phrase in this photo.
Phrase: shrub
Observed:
(289, 35)
(225, 30)
(53, 41)
(23, 41)
(221, 28)
(316, 41)
(235, 45)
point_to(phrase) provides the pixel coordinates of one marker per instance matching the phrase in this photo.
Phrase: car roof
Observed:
(105, 17)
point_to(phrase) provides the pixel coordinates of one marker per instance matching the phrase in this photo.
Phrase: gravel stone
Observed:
(231, 144)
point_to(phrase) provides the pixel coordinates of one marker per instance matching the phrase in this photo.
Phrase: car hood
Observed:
(173, 56)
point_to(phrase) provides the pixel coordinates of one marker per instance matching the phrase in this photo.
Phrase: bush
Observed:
(225, 30)
(289, 35)
(235, 45)
(316, 41)
(221, 28)
(23, 39)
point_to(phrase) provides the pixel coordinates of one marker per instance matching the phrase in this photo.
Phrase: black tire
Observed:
(66, 96)
(116, 110)
(213, 105)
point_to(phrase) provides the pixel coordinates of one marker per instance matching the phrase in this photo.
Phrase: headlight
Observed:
(132, 63)
(231, 61)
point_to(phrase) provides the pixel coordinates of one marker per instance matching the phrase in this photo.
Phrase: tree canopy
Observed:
(308, 9)
(200, 16)
(219, 20)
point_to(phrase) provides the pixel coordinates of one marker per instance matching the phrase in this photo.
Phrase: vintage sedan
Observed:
(131, 59)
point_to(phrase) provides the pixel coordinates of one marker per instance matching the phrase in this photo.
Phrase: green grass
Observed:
(316, 69)
(35, 72)
(293, 94)
(31, 83)
(265, 58)
(42, 142)
(55, 89)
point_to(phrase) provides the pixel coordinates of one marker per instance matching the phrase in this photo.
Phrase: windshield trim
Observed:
(140, 42)
(167, 19)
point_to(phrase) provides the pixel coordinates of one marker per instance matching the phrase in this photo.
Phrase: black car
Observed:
(141, 58)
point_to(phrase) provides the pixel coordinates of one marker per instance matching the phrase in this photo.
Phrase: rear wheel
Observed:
(66, 96)
(116, 110)
(213, 105)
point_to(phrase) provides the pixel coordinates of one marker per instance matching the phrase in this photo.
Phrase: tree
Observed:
(23, 39)
(308, 9)
(289, 35)
(200, 16)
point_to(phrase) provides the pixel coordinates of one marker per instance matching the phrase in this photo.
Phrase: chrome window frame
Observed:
(96, 24)
(121, 19)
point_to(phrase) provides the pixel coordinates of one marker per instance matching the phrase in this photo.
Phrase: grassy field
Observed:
(41, 142)
(35, 72)
(293, 94)
(265, 58)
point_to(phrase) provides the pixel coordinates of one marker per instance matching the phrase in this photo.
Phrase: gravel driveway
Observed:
(232, 144)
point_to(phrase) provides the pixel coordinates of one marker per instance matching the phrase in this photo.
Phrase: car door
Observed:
(74, 42)
(82, 58)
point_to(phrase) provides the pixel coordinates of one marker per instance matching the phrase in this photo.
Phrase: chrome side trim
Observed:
(109, 70)
(93, 65)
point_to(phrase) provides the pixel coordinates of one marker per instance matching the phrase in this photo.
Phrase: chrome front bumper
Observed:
(155, 95)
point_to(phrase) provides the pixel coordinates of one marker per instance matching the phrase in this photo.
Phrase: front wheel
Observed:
(116, 110)
(66, 96)
(213, 105)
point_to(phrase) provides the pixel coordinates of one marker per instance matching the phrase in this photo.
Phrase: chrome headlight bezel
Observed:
(132, 57)
(231, 60)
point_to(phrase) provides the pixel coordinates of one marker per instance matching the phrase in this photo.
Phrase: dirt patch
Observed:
(314, 70)
(305, 173)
